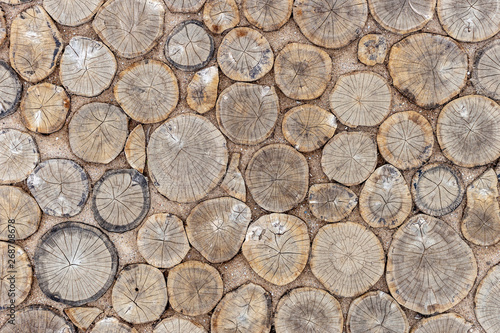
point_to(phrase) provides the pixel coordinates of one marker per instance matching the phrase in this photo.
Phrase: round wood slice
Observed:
(330, 23)
(38, 318)
(428, 69)
(347, 258)
(135, 148)
(16, 275)
(60, 187)
(372, 49)
(131, 28)
(221, 15)
(202, 90)
(187, 157)
(487, 301)
(72, 12)
(147, 91)
(98, 132)
(18, 155)
(245, 55)
(111, 325)
(448, 322)
(82, 317)
(75, 263)
(19, 214)
(194, 278)
(267, 15)
(10, 89)
(277, 177)
(178, 325)
(15, 2)
(277, 247)
(486, 70)
(331, 202)
(184, 6)
(247, 113)
(233, 182)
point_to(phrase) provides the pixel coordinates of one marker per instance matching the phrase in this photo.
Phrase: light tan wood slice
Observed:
(233, 182)
(38, 318)
(267, 15)
(83, 317)
(372, 49)
(202, 90)
(10, 88)
(18, 155)
(277, 247)
(15, 2)
(184, 6)
(3, 27)
(72, 12)
(135, 148)
(487, 301)
(19, 214)
(35, 44)
(16, 275)
(486, 70)
(448, 322)
(177, 324)
(331, 202)
(221, 15)
(112, 325)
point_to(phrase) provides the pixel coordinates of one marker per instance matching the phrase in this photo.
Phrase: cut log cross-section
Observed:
(72, 12)
(16, 275)
(184, 6)
(112, 325)
(448, 322)
(202, 90)
(18, 155)
(19, 214)
(234, 183)
(82, 317)
(486, 70)
(10, 88)
(487, 301)
(331, 202)
(372, 49)
(135, 148)
(38, 318)
(267, 15)
(221, 15)
(178, 325)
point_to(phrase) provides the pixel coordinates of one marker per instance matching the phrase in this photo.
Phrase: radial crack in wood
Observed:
(38, 318)
(10, 89)
(184, 6)
(233, 182)
(111, 325)
(202, 90)
(19, 214)
(486, 70)
(16, 275)
(135, 148)
(83, 317)
(487, 301)
(18, 155)
(221, 15)
(372, 49)
(72, 12)
(448, 322)
(267, 15)
(178, 325)
(331, 202)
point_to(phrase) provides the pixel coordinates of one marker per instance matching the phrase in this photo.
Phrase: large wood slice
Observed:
(112, 325)
(184, 6)
(448, 322)
(486, 70)
(38, 319)
(72, 12)
(487, 301)
(10, 89)
(16, 275)
(267, 15)
(18, 155)
(19, 213)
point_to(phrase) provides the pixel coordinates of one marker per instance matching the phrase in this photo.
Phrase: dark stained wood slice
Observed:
(18, 155)
(221, 15)
(448, 322)
(14, 262)
(72, 12)
(372, 49)
(486, 70)
(10, 89)
(177, 324)
(184, 6)
(202, 90)
(83, 316)
(135, 148)
(331, 202)
(487, 301)
(233, 182)
(21, 210)
(38, 318)
(267, 15)
(112, 325)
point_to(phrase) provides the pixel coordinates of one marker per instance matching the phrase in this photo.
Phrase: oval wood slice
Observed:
(178, 325)
(330, 23)
(277, 177)
(277, 247)
(140, 293)
(347, 258)
(429, 267)
(38, 318)
(131, 28)
(10, 88)
(486, 70)
(245, 55)
(194, 278)
(267, 15)
(448, 322)
(60, 187)
(135, 148)
(331, 202)
(184, 6)
(361, 99)
(487, 301)
(72, 12)
(247, 113)
(98, 132)
(221, 15)
(202, 90)
(16, 275)
(428, 69)
(372, 49)
(111, 325)
(308, 310)
(75, 263)
(233, 182)
(19, 214)
(18, 155)
(83, 317)
(187, 157)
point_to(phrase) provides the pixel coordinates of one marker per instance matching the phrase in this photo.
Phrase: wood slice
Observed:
(277, 177)
(330, 23)
(221, 15)
(277, 247)
(437, 189)
(72, 12)
(194, 278)
(184, 6)
(131, 28)
(246, 309)
(16, 275)
(481, 220)
(486, 70)
(97, 132)
(10, 88)
(331, 202)
(402, 16)
(347, 258)
(18, 155)
(3, 27)
(187, 157)
(189, 47)
(308, 310)
(267, 15)
(448, 322)
(349, 157)
(372, 49)
(140, 294)
(245, 55)
(487, 301)
(83, 317)
(361, 99)
(406, 140)
(38, 318)
(247, 113)
(75, 263)
(111, 325)
(35, 44)
(147, 91)
(302, 71)
(19, 214)
(428, 69)
(15, 2)
(202, 90)
(385, 200)
(178, 325)
(429, 267)
(233, 182)
(60, 187)
(135, 148)
(468, 130)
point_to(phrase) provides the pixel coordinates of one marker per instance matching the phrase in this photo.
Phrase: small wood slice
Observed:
(330, 23)
(187, 157)
(202, 90)
(308, 127)
(429, 267)
(60, 187)
(487, 301)
(277, 177)
(233, 182)
(178, 325)
(277, 247)
(349, 157)
(361, 99)
(445, 323)
(221, 15)
(18, 155)
(19, 214)
(75, 263)
(486, 70)
(308, 310)
(184, 6)
(246, 309)
(140, 294)
(111, 325)
(428, 69)
(15, 2)
(131, 28)
(331, 202)
(385, 200)
(3, 27)
(372, 49)
(83, 317)
(16, 275)
(147, 91)
(245, 55)
(97, 132)
(72, 12)
(437, 189)
(38, 318)
(35, 44)
(347, 258)
(406, 140)
(10, 89)
(194, 278)
(247, 113)
(402, 16)
(135, 148)
(468, 131)
(217, 228)
(376, 312)
(267, 15)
